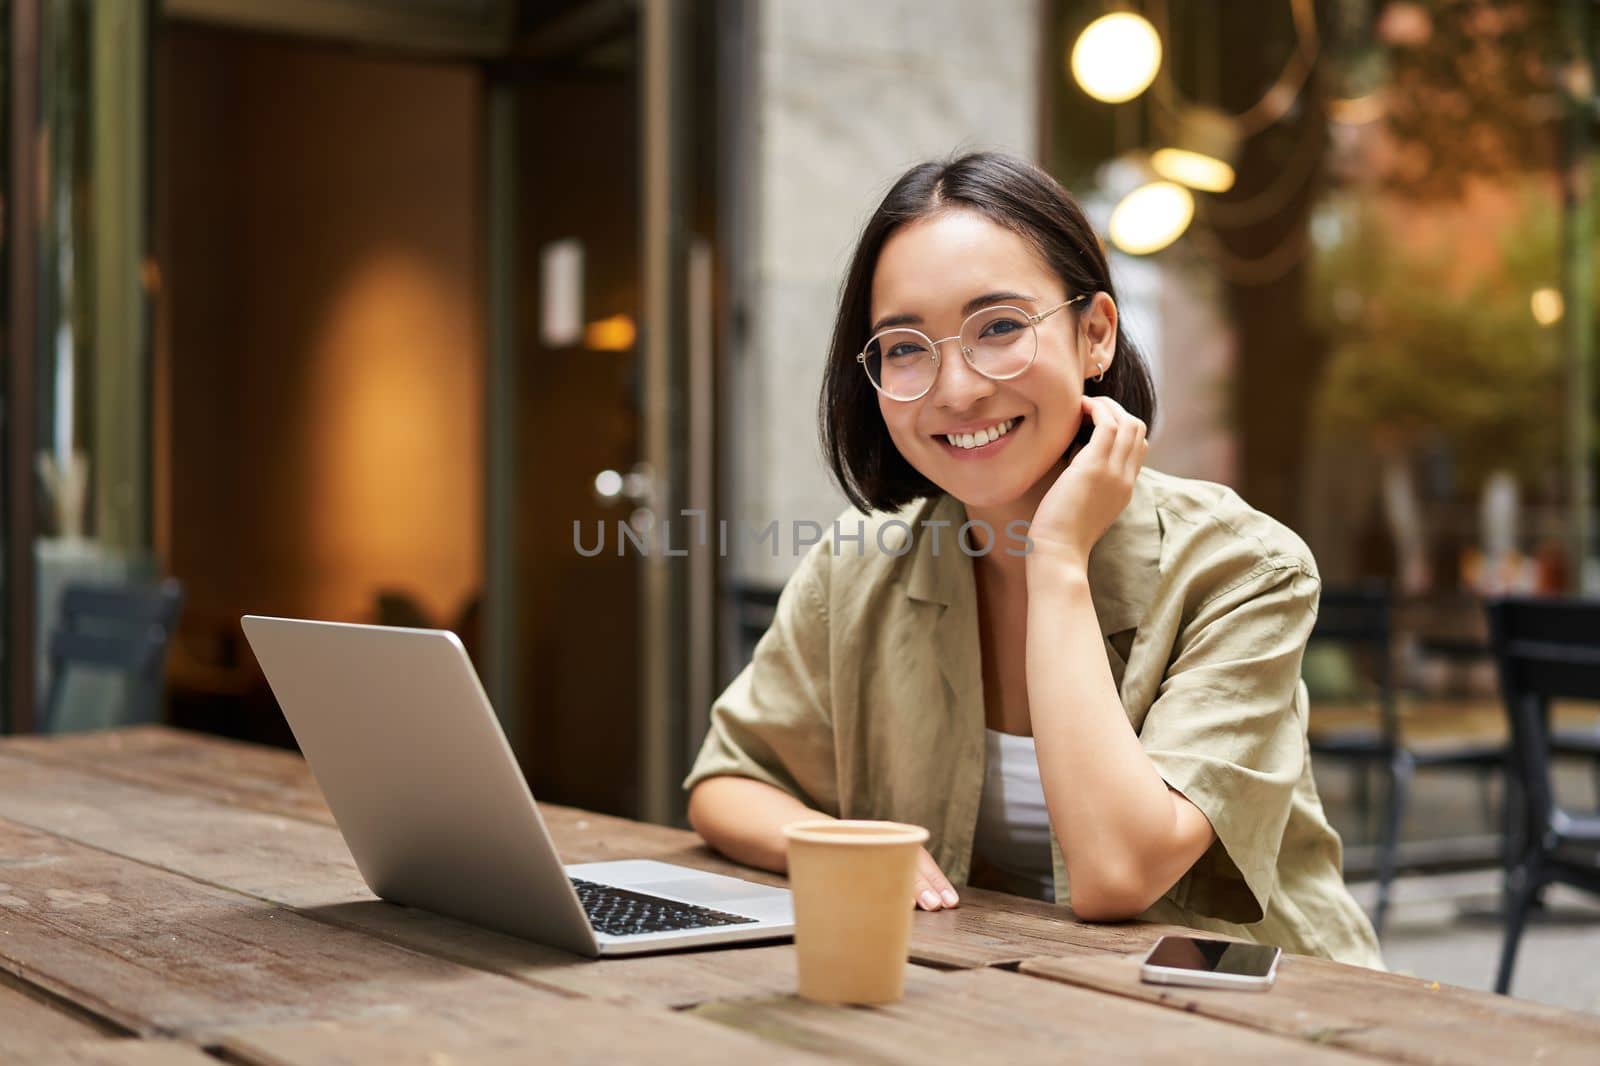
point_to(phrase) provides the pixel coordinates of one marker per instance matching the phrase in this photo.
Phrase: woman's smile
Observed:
(981, 440)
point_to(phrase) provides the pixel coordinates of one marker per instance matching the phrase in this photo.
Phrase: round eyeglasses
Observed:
(998, 342)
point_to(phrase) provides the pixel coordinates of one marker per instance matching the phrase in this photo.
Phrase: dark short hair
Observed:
(1013, 193)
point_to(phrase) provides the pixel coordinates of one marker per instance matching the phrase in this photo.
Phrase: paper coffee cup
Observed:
(852, 883)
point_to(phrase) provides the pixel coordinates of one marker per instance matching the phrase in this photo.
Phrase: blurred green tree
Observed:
(1420, 356)
(1439, 345)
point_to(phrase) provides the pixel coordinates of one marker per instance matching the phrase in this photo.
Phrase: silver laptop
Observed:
(399, 734)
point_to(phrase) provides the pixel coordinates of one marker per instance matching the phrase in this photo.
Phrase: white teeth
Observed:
(982, 437)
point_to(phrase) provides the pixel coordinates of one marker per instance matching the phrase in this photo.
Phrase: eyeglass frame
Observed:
(933, 346)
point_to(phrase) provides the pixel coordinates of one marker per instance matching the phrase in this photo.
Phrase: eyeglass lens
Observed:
(998, 342)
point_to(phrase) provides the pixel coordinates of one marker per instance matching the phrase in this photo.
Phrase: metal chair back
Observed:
(1545, 649)
(1360, 618)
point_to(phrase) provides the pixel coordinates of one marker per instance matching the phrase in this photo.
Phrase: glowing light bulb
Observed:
(1547, 306)
(1116, 57)
(1194, 169)
(1151, 217)
(614, 334)
(1205, 143)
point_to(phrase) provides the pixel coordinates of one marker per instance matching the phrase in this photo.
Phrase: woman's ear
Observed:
(1099, 324)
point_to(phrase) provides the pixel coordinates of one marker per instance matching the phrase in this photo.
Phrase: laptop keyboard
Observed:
(620, 912)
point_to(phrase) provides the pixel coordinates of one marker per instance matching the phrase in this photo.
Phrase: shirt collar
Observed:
(1123, 567)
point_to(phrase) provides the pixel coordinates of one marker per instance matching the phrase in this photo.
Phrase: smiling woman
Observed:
(965, 230)
(1111, 718)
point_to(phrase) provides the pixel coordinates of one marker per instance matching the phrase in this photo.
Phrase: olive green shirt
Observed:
(865, 697)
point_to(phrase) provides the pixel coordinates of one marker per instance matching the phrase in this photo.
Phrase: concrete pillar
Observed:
(845, 96)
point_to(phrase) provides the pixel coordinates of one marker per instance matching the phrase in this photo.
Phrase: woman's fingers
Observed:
(933, 890)
(1119, 438)
(1137, 456)
(1103, 412)
(1130, 446)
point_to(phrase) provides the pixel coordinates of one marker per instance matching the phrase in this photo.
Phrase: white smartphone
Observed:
(1188, 960)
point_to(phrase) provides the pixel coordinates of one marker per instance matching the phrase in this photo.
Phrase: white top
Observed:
(1013, 834)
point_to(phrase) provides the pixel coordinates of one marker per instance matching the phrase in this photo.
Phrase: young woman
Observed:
(1083, 678)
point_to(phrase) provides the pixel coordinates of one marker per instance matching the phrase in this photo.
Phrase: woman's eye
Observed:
(1000, 327)
(905, 351)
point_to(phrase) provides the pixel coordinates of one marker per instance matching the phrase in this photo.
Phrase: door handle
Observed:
(636, 487)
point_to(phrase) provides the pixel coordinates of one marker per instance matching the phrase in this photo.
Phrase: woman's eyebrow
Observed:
(966, 309)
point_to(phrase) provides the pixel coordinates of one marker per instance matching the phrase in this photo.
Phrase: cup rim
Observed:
(854, 831)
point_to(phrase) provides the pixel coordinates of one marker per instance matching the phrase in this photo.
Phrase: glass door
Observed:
(593, 305)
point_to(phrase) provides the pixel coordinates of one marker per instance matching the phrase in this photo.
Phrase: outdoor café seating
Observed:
(1547, 650)
(1359, 621)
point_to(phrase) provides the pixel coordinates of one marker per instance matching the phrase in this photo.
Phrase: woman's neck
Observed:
(995, 541)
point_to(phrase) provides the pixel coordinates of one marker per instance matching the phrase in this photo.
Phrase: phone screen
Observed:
(1212, 956)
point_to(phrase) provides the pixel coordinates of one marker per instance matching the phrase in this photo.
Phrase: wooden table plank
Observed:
(305, 866)
(156, 953)
(278, 859)
(996, 929)
(992, 1016)
(159, 954)
(300, 864)
(31, 1024)
(668, 980)
(230, 771)
(278, 782)
(152, 810)
(124, 1052)
(578, 1031)
(1386, 1015)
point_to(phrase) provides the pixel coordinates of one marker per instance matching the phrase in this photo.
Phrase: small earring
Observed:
(1098, 365)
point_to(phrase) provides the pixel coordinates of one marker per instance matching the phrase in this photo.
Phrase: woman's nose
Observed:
(958, 385)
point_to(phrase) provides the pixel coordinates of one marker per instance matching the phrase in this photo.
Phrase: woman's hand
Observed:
(933, 889)
(1096, 485)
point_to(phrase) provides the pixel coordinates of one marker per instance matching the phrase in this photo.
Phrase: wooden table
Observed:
(172, 898)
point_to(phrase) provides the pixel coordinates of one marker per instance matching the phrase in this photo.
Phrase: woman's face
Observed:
(930, 271)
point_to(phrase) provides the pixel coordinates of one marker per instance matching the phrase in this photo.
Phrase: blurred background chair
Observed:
(118, 634)
(1546, 650)
(1358, 621)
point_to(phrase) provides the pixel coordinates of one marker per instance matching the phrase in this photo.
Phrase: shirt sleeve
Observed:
(773, 722)
(1227, 731)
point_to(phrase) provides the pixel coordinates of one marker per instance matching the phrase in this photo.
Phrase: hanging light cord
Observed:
(1276, 194)
(1270, 108)
(1280, 95)
(1254, 271)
